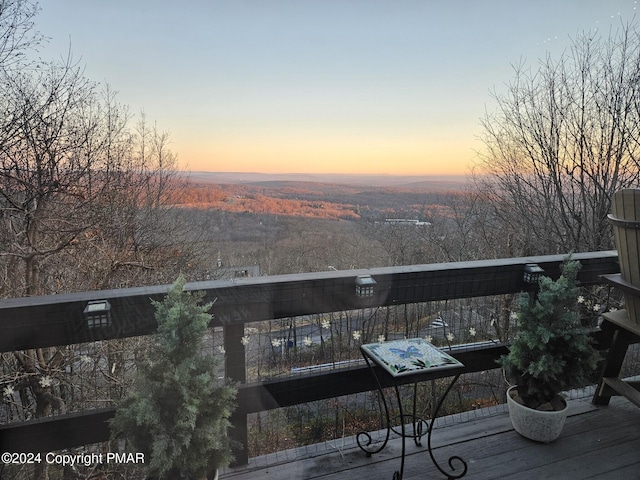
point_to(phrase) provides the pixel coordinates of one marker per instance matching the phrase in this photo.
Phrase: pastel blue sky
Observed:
(332, 86)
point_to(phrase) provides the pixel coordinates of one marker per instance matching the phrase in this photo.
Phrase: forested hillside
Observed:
(319, 200)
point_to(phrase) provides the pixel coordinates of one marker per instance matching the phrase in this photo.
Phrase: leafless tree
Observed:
(17, 32)
(399, 243)
(75, 180)
(563, 139)
(84, 204)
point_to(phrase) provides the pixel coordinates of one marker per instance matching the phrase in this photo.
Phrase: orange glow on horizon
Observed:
(377, 156)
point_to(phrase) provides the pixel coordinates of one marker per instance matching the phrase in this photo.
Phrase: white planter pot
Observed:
(535, 424)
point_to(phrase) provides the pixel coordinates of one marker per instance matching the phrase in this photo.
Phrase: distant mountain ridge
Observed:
(421, 182)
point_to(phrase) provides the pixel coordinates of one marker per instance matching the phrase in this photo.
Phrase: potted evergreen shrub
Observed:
(178, 414)
(552, 353)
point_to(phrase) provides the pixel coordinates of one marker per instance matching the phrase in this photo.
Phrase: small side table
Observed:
(399, 362)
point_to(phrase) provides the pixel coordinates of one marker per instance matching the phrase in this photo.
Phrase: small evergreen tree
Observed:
(178, 414)
(552, 351)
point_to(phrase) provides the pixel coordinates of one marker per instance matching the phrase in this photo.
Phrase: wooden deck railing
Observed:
(56, 320)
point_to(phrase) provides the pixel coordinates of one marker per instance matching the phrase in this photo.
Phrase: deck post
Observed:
(236, 371)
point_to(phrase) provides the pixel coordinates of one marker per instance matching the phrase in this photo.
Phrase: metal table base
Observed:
(411, 425)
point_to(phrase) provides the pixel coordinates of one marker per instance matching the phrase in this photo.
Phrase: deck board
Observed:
(597, 442)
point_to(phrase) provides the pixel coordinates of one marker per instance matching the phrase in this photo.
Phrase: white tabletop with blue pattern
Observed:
(409, 356)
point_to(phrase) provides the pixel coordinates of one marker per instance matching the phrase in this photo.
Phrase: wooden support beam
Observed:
(56, 433)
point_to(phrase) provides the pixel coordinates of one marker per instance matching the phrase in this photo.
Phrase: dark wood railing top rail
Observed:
(52, 320)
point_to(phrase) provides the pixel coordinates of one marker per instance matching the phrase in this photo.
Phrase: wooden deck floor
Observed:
(597, 443)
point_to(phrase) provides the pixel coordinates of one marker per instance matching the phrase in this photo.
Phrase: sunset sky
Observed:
(317, 86)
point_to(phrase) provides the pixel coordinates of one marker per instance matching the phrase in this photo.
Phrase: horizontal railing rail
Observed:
(52, 320)
(56, 320)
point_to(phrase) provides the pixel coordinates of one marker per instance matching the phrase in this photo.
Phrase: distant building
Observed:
(227, 273)
(406, 221)
(237, 272)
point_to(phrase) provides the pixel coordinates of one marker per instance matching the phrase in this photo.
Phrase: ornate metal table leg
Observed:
(397, 475)
(453, 459)
(417, 422)
(382, 403)
(416, 425)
